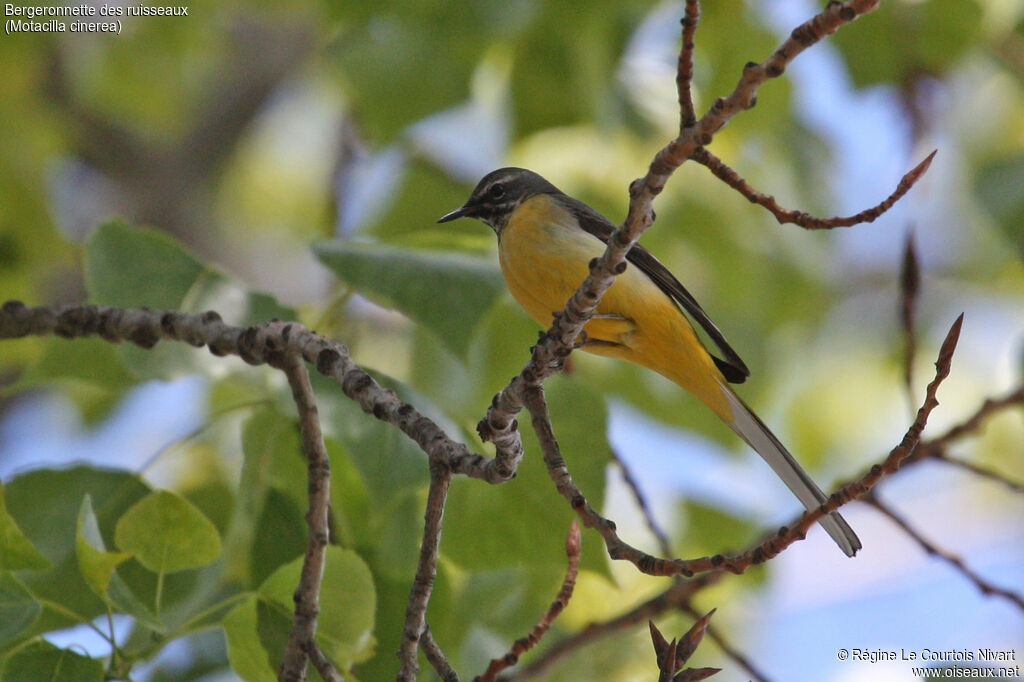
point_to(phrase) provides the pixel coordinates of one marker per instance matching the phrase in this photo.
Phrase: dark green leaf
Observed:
(905, 39)
(45, 504)
(132, 267)
(43, 661)
(16, 551)
(446, 292)
(18, 608)
(999, 189)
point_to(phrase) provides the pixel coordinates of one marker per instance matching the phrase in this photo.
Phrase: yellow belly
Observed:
(545, 258)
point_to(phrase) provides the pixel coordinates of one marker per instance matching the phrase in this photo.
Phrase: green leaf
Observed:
(273, 458)
(345, 629)
(18, 607)
(167, 533)
(446, 292)
(524, 522)
(16, 551)
(131, 267)
(96, 564)
(909, 38)
(45, 504)
(43, 661)
(709, 530)
(98, 567)
(281, 537)
(245, 651)
(998, 188)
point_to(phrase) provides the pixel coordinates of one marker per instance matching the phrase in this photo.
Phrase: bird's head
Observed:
(498, 194)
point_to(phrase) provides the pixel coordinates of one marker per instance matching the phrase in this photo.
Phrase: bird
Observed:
(546, 241)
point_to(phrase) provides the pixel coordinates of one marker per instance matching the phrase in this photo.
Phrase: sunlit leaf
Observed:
(249, 660)
(167, 533)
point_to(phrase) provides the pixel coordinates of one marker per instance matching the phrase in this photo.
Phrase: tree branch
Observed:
(674, 597)
(436, 657)
(931, 548)
(302, 638)
(573, 551)
(684, 70)
(426, 571)
(806, 220)
(145, 328)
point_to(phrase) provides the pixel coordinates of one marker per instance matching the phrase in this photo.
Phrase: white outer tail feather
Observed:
(752, 430)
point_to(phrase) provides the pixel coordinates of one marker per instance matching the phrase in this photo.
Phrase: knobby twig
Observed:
(646, 563)
(302, 639)
(324, 666)
(426, 572)
(666, 549)
(806, 220)
(931, 548)
(436, 657)
(680, 593)
(970, 425)
(145, 328)
(853, 490)
(684, 70)
(573, 551)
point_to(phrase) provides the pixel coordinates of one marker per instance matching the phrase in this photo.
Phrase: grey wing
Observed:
(732, 367)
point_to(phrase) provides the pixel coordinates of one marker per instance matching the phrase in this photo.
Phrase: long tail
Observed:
(751, 429)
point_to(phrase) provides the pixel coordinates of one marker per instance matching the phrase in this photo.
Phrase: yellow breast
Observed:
(545, 256)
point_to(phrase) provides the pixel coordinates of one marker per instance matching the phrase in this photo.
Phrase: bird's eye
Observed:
(497, 191)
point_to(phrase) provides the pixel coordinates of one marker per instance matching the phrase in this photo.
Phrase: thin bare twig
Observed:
(853, 490)
(573, 549)
(323, 665)
(931, 548)
(307, 607)
(684, 70)
(805, 220)
(727, 648)
(646, 563)
(666, 550)
(681, 592)
(426, 572)
(432, 650)
(641, 501)
(970, 425)
(983, 472)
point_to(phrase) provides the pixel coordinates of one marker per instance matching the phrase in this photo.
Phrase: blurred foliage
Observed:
(190, 163)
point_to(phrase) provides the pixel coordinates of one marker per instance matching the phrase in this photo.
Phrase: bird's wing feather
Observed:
(732, 367)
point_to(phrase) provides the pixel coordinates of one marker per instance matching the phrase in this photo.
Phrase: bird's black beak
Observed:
(457, 213)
